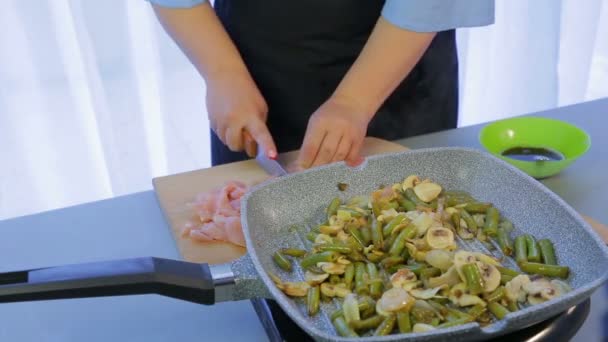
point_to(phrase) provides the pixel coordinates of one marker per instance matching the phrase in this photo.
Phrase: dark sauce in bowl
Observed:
(533, 154)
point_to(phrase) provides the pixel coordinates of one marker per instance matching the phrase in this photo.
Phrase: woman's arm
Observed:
(234, 102)
(336, 131)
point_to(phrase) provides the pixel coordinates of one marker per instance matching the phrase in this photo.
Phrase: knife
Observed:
(271, 166)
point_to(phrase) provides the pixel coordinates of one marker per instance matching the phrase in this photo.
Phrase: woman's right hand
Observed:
(237, 113)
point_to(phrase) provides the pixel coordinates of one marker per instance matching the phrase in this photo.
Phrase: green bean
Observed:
(468, 219)
(533, 251)
(386, 327)
(375, 288)
(504, 241)
(411, 195)
(386, 231)
(349, 275)
(507, 271)
(376, 209)
(356, 235)
(477, 208)
(281, 261)
(399, 243)
(391, 205)
(313, 298)
(477, 311)
(491, 223)
(325, 247)
(473, 278)
(505, 278)
(311, 236)
(404, 322)
(332, 208)
(497, 295)
(405, 254)
(313, 259)
(547, 252)
(457, 314)
(366, 235)
(406, 204)
(512, 306)
(453, 323)
(422, 315)
(375, 258)
(416, 268)
(521, 250)
(369, 323)
(377, 235)
(452, 200)
(546, 270)
(455, 217)
(334, 279)
(429, 273)
(361, 279)
(497, 310)
(343, 329)
(293, 252)
(363, 306)
(392, 260)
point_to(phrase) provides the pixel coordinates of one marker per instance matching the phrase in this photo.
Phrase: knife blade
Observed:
(273, 167)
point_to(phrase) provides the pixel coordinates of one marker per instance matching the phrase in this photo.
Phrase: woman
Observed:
(319, 75)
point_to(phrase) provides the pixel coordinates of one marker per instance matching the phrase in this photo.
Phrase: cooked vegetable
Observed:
(498, 310)
(313, 259)
(504, 241)
(386, 327)
(547, 252)
(314, 296)
(281, 261)
(293, 252)
(521, 249)
(532, 247)
(491, 223)
(342, 328)
(393, 262)
(546, 270)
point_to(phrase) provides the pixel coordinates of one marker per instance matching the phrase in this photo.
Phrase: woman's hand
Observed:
(237, 113)
(335, 132)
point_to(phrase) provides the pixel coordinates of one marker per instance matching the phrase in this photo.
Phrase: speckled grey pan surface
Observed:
(270, 210)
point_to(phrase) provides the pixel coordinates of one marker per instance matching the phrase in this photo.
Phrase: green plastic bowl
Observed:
(529, 131)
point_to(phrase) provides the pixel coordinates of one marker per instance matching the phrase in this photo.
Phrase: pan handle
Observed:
(183, 280)
(193, 282)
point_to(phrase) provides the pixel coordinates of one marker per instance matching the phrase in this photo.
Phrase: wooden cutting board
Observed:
(174, 192)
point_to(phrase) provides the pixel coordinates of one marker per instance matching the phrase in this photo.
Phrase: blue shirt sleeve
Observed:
(177, 3)
(438, 15)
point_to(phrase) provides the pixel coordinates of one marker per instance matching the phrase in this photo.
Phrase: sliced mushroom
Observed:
(536, 299)
(332, 267)
(420, 244)
(449, 278)
(422, 328)
(343, 260)
(439, 258)
(410, 182)
(480, 219)
(427, 191)
(536, 285)
(451, 210)
(297, 289)
(350, 308)
(490, 275)
(341, 290)
(514, 288)
(460, 297)
(439, 237)
(342, 236)
(486, 258)
(276, 280)
(315, 278)
(426, 293)
(394, 300)
(422, 223)
(402, 277)
(387, 215)
(560, 286)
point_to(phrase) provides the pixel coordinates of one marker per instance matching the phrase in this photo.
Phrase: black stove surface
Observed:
(279, 327)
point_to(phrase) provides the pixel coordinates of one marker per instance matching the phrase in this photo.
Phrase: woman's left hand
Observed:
(335, 132)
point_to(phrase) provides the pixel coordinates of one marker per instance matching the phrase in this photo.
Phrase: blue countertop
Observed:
(133, 226)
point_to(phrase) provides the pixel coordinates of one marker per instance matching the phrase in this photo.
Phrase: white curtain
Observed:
(95, 99)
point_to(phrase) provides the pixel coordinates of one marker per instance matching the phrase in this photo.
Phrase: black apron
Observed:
(298, 51)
